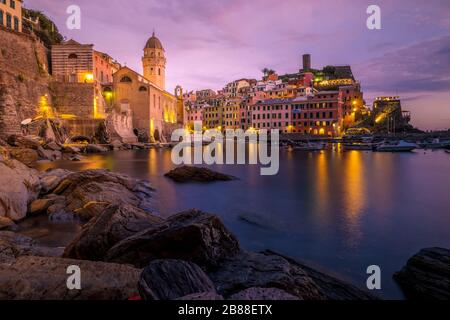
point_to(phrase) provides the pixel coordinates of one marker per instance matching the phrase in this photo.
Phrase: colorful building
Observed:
(11, 14)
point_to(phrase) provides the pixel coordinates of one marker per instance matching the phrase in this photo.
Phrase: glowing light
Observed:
(68, 116)
(44, 108)
(89, 77)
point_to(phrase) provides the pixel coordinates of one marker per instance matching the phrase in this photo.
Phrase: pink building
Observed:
(272, 114)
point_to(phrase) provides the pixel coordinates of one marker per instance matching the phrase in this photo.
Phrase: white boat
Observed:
(435, 144)
(310, 146)
(398, 146)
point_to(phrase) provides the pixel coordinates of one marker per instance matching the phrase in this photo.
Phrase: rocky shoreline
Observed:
(127, 251)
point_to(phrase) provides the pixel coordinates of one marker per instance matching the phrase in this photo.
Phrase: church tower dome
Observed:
(154, 62)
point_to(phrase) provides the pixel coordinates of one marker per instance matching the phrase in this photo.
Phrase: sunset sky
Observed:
(211, 42)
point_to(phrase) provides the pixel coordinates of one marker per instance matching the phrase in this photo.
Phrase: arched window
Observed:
(142, 88)
(126, 79)
(73, 56)
(159, 72)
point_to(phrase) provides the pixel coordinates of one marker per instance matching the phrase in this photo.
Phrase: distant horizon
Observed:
(209, 44)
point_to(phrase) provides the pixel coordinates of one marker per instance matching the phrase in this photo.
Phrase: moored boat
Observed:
(310, 146)
(397, 146)
(435, 144)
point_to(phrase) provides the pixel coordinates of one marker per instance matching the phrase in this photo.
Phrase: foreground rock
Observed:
(22, 188)
(192, 236)
(81, 188)
(196, 174)
(6, 223)
(114, 224)
(261, 294)
(13, 246)
(426, 275)
(172, 279)
(269, 270)
(40, 278)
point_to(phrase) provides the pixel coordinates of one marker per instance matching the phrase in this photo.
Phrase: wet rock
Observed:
(261, 294)
(204, 296)
(114, 224)
(196, 174)
(26, 142)
(172, 279)
(14, 245)
(40, 206)
(192, 236)
(26, 156)
(22, 188)
(116, 145)
(426, 276)
(43, 278)
(51, 179)
(59, 212)
(249, 270)
(91, 210)
(95, 148)
(80, 188)
(331, 287)
(7, 224)
(71, 149)
(52, 146)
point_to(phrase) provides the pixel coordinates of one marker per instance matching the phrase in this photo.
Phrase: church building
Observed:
(155, 112)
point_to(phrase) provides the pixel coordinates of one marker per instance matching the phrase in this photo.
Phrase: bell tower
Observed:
(154, 62)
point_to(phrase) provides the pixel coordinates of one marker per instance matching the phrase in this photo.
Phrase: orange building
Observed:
(11, 14)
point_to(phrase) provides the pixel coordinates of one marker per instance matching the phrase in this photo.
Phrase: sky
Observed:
(209, 43)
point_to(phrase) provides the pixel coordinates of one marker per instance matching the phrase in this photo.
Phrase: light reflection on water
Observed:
(339, 210)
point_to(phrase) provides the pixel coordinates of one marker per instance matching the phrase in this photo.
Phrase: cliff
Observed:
(24, 80)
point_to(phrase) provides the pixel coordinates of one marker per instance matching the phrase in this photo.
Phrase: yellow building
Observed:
(154, 111)
(154, 62)
(11, 14)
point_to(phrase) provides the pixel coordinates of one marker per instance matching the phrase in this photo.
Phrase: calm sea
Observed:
(338, 211)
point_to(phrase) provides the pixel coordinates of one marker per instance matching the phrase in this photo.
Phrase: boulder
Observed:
(262, 294)
(59, 211)
(95, 148)
(45, 278)
(27, 142)
(113, 225)
(51, 179)
(426, 275)
(26, 156)
(22, 188)
(204, 296)
(332, 287)
(52, 145)
(80, 188)
(196, 174)
(172, 279)
(249, 270)
(6, 223)
(192, 236)
(91, 210)
(71, 149)
(116, 145)
(40, 206)
(14, 245)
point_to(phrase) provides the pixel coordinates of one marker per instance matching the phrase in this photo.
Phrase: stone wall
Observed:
(24, 79)
(74, 99)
